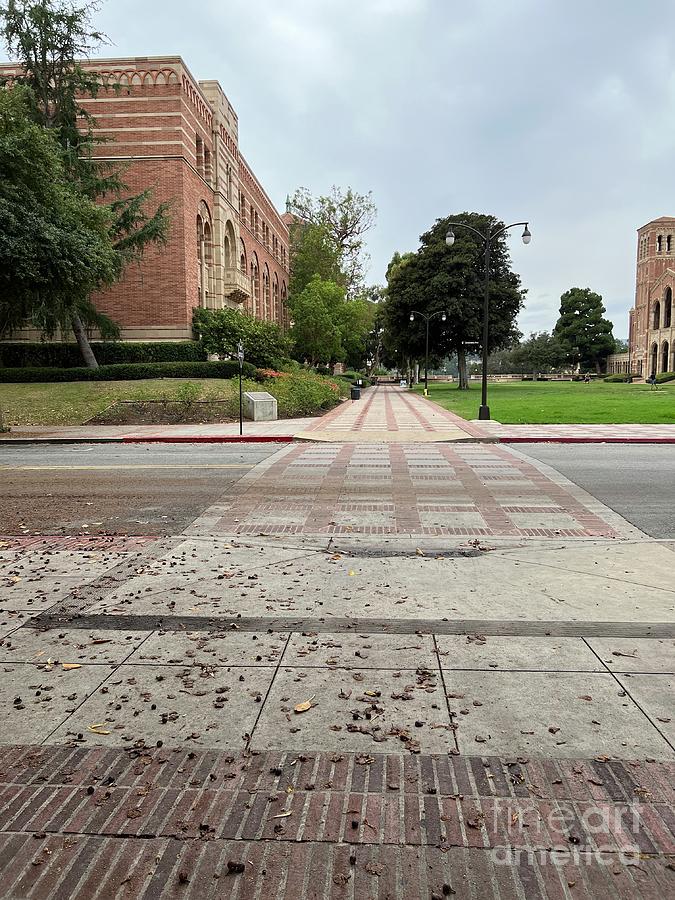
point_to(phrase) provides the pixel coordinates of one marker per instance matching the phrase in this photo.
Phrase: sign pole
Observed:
(240, 357)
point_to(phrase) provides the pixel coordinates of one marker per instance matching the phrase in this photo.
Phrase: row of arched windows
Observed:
(268, 294)
(248, 215)
(664, 244)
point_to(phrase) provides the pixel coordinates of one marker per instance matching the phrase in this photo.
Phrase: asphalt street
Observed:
(120, 489)
(161, 488)
(636, 480)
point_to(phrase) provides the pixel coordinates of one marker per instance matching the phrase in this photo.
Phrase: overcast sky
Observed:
(557, 111)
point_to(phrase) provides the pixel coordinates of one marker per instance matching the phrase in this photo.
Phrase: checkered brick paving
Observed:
(470, 490)
(156, 822)
(390, 414)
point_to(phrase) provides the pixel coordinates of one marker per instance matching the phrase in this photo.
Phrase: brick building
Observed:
(228, 245)
(651, 324)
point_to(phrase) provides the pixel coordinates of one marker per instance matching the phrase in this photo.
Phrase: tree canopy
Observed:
(337, 225)
(583, 332)
(438, 278)
(54, 241)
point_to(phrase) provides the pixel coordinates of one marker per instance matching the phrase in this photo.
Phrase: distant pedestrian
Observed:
(651, 381)
(587, 378)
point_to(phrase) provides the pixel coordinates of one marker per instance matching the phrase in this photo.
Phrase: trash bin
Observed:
(356, 392)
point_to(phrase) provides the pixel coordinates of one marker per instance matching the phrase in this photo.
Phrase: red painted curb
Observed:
(584, 440)
(215, 439)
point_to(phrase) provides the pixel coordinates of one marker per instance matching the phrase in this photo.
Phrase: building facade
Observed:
(651, 327)
(228, 245)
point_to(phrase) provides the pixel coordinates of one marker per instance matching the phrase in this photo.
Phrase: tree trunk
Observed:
(461, 368)
(83, 341)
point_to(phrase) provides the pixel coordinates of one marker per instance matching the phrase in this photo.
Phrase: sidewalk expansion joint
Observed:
(323, 625)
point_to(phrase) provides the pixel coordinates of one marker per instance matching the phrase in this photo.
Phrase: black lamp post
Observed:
(487, 239)
(427, 319)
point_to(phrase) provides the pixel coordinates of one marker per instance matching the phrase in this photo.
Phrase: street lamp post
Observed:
(427, 319)
(487, 239)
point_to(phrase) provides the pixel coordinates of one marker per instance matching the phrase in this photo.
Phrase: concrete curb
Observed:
(186, 439)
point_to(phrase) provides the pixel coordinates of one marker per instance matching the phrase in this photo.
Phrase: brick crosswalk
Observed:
(471, 490)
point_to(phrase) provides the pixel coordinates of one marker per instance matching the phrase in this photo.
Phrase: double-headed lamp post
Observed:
(487, 239)
(427, 319)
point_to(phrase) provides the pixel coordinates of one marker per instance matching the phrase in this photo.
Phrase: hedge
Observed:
(664, 377)
(615, 379)
(107, 353)
(130, 372)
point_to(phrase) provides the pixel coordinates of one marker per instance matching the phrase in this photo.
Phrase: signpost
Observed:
(240, 357)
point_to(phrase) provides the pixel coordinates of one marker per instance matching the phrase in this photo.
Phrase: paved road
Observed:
(636, 481)
(125, 489)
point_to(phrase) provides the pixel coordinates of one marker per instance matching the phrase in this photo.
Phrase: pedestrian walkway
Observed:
(443, 489)
(583, 434)
(393, 415)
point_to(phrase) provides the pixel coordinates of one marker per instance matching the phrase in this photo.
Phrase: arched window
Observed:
(242, 256)
(207, 287)
(667, 308)
(657, 316)
(669, 238)
(229, 258)
(275, 298)
(665, 356)
(255, 286)
(200, 259)
(654, 358)
(659, 243)
(265, 310)
(284, 308)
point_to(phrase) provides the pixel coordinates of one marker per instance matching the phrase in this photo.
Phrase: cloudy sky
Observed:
(557, 111)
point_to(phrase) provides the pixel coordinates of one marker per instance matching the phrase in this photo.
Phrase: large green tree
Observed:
(316, 314)
(340, 220)
(439, 278)
(540, 353)
(47, 38)
(55, 247)
(583, 332)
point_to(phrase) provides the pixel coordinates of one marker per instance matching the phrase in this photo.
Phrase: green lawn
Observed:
(74, 402)
(548, 402)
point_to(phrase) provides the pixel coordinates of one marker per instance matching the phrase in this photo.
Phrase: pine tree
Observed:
(582, 331)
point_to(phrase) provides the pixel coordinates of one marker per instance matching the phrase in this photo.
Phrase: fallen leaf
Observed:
(303, 707)
(68, 666)
(98, 728)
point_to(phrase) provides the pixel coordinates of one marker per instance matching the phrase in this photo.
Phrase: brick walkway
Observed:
(623, 434)
(388, 414)
(472, 490)
(150, 823)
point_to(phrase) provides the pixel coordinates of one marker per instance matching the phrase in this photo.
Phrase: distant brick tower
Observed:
(651, 323)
